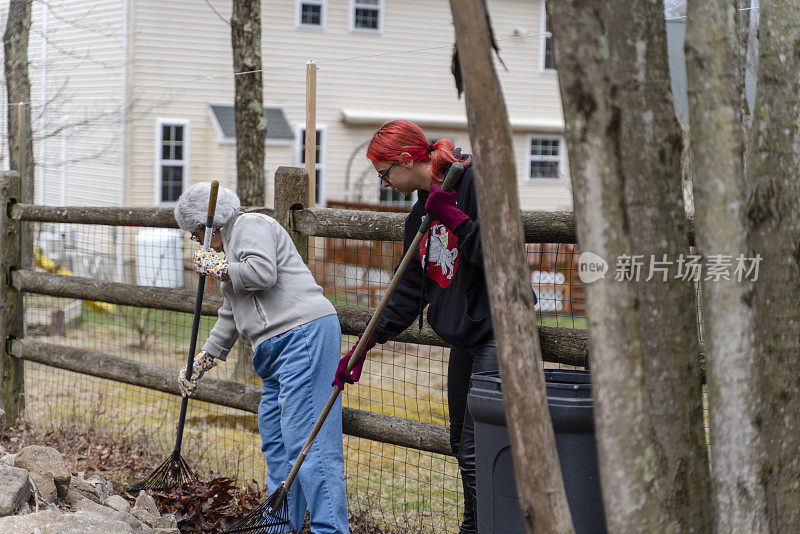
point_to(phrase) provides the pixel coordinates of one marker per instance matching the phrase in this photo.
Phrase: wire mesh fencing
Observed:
(398, 488)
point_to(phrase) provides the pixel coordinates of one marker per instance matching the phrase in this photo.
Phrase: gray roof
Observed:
(676, 35)
(278, 127)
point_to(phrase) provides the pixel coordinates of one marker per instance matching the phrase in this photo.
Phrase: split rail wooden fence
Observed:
(559, 345)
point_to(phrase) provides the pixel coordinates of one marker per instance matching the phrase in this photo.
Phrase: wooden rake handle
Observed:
(453, 175)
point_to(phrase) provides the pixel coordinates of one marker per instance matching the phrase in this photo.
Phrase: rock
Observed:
(8, 459)
(146, 502)
(166, 531)
(87, 523)
(24, 509)
(117, 503)
(46, 486)
(86, 505)
(2, 420)
(88, 490)
(71, 497)
(105, 489)
(42, 460)
(166, 521)
(27, 524)
(15, 489)
(145, 517)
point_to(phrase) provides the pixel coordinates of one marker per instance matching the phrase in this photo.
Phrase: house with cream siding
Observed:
(132, 99)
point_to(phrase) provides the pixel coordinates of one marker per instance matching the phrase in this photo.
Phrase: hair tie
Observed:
(431, 148)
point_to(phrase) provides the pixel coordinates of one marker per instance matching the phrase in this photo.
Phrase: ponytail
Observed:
(399, 136)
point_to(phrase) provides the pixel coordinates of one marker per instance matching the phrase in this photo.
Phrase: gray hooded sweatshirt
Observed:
(270, 291)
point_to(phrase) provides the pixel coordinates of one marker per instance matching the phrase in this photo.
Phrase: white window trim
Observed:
(560, 158)
(322, 15)
(352, 18)
(221, 139)
(301, 139)
(542, 48)
(161, 121)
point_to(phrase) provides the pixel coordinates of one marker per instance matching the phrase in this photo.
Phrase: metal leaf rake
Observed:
(174, 471)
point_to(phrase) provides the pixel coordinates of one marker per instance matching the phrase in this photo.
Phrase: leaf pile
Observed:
(208, 506)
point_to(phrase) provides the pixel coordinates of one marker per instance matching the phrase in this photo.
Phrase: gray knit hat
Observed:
(192, 207)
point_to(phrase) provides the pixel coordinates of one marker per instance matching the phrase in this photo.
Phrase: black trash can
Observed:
(569, 398)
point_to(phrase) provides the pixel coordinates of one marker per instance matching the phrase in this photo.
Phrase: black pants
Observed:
(463, 362)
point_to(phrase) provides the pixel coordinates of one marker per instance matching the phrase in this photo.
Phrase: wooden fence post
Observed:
(11, 318)
(291, 193)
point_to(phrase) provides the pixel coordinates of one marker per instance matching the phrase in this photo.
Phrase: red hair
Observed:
(399, 136)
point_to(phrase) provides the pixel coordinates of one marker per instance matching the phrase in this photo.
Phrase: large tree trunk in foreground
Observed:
(18, 88)
(538, 473)
(713, 62)
(649, 150)
(773, 212)
(251, 123)
(626, 452)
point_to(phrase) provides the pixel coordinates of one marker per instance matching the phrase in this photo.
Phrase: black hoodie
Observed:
(453, 284)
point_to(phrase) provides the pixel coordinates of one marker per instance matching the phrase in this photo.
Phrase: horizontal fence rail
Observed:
(559, 345)
(359, 423)
(539, 226)
(149, 217)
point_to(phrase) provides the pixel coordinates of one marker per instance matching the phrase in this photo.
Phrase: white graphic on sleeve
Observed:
(440, 255)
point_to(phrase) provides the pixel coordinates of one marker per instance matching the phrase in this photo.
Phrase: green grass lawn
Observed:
(564, 321)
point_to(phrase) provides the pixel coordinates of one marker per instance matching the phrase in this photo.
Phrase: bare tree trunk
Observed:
(18, 87)
(649, 150)
(712, 63)
(628, 458)
(536, 465)
(251, 123)
(773, 213)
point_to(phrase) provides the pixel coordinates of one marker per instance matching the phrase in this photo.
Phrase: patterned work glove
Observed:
(209, 263)
(343, 376)
(441, 205)
(202, 363)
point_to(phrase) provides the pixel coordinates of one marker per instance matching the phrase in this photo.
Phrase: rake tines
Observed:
(272, 517)
(171, 473)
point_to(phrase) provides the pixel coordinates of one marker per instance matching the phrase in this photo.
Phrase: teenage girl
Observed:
(446, 274)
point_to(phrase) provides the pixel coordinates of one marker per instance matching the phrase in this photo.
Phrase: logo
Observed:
(443, 250)
(591, 267)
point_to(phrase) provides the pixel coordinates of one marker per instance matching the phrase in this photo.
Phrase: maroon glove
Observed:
(343, 376)
(441, 205)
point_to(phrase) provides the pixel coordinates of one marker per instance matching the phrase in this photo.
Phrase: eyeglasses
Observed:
(383, 175)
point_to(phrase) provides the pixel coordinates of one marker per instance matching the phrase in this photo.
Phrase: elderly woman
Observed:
(271, 300)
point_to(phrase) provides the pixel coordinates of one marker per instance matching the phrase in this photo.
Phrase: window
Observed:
(319, 169)
(171, 159)
(310, 14)
(544, 158)
(548, 53)
(366, 16)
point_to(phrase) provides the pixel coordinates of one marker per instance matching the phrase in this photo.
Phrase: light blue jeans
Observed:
(297, 368)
